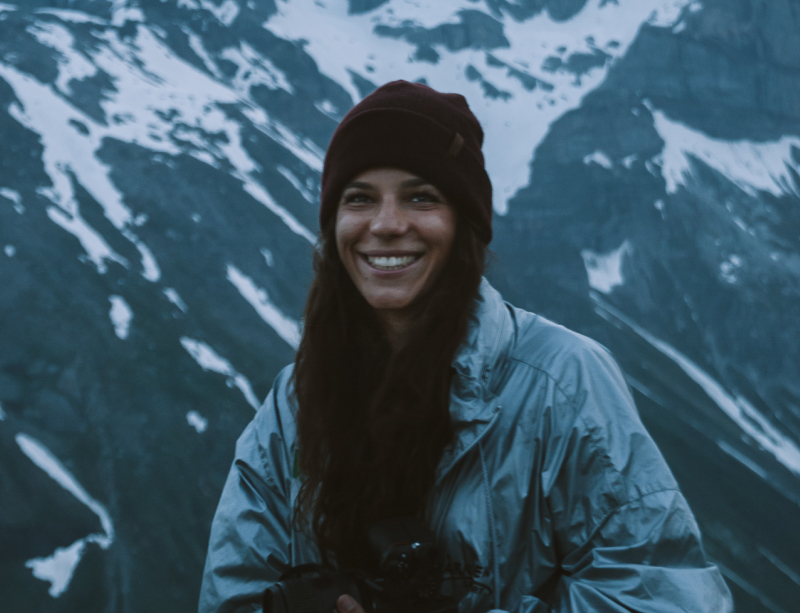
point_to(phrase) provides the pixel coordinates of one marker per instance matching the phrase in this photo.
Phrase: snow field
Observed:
(514, 127)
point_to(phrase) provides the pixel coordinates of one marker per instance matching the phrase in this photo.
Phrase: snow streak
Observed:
(175, 298)
(58, 568)
(746, 416)
(208, 359)
(287, 328)
(121, 315)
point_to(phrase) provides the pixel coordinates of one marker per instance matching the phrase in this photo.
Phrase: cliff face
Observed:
(159, 172)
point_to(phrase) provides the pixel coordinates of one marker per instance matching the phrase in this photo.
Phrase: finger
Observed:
(348, 604)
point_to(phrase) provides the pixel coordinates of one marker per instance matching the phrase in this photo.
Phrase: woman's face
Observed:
(394, 233)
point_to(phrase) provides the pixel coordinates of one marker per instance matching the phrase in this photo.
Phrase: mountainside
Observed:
(159, 177)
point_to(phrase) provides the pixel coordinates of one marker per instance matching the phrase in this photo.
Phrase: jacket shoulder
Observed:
(570, 359)
(269, 438)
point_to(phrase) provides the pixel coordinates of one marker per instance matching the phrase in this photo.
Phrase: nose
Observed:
(389, 219)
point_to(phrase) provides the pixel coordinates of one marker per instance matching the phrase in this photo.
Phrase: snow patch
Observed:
(254, 69)
(13, 195)
(326, 107)
(598, 157)
(71, 64)
(225, 13)
(58, 568)
(739, 409)
(669, 13)
(268, 257)
(605, 269)
(175, 298)
(72, 16)
(515, 123)
(92, 242)
(208, 359)
(120, 13)
(751, 166)
(67, 154)
(10, 250)
(150, 268)
(121, 315)
(680, 27)
(7, 7)
(287, 328)
(729, 269)
(197, 421)
(196, 44)
(2, 413)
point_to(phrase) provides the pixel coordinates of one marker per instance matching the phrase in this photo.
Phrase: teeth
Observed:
(391, 263)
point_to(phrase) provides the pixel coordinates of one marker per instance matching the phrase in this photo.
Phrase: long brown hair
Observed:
(372, 424)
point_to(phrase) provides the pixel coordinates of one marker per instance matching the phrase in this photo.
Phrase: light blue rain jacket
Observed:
(552, 493)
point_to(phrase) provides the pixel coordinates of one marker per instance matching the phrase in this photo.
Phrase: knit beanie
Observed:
(413, 127)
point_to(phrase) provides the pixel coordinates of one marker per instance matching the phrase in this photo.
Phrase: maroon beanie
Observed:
(413, 127)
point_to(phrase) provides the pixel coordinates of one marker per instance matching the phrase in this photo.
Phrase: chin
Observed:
(384, 302)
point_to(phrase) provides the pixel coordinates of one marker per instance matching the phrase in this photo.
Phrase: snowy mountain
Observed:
(159, 176)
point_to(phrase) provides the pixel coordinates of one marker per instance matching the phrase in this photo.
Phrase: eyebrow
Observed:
(415, 182)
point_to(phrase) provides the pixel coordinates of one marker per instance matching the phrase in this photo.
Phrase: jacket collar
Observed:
(481, 355)
(478, 364)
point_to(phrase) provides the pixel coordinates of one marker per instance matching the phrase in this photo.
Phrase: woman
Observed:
(417, 392)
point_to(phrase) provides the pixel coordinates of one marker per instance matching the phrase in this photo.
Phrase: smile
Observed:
(391, 262)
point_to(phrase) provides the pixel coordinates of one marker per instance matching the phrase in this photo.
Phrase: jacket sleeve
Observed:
(625, 537)
(250, 538)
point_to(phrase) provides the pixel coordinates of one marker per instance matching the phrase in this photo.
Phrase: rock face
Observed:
(159, 172)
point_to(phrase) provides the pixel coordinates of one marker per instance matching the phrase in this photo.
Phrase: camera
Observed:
(409, 577)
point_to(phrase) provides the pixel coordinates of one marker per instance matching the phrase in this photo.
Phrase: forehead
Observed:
(386, 178)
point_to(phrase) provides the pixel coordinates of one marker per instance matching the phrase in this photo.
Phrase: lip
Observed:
(388, 253)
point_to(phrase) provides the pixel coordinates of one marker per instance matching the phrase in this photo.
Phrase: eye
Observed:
(356, 197)
(424, 196)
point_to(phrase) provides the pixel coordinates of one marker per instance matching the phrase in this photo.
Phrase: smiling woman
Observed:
(418, 393)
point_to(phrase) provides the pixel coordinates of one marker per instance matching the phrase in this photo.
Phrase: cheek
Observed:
(346, 235)
(445, 232)
(341, 233)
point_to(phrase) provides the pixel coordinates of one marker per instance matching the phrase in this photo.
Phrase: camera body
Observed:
(409, 577)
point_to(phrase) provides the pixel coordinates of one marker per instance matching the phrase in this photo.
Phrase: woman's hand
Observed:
(348, 604)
